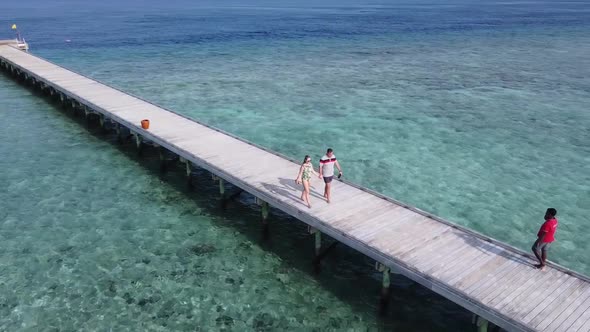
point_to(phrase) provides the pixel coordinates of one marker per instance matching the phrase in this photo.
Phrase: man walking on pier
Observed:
(327, 163)
(545, 237)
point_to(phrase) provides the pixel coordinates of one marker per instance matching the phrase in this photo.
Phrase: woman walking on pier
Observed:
(304, 176)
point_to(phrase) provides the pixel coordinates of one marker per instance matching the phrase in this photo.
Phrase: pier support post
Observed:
(189, 171)
(318, 242)
(317, 248)
(76, 108)
(137, 140)
(163, 164)
(102, 121)
(482, 324)
(385, 286)
(87, 114)
(265, 228)
(221, 188)
(118, 133)
(265, 209)
(320, 254)
(188, 168)
(138, 144)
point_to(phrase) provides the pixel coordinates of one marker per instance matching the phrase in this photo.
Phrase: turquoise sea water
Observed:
(474, 112)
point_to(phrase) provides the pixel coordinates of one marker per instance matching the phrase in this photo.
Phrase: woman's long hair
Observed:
(305, 159)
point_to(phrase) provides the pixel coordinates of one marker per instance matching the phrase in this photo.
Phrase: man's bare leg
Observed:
(544, 259)
(539, 258)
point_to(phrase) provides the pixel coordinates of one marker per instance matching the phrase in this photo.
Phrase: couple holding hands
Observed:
(327, 163)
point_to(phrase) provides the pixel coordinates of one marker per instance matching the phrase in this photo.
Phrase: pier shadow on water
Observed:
(347, 274)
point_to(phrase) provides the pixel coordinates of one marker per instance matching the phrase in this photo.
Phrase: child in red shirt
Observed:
(545, 237)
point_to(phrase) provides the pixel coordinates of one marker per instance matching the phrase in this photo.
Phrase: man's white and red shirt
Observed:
(328, 165)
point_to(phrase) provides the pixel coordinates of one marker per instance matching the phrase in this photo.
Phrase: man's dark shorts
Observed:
(541, 246)
(328, 179)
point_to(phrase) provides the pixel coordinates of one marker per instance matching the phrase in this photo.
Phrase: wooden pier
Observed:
(19, 44)
(495, 281)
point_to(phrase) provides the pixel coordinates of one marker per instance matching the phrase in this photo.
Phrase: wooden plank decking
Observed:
(487, 277)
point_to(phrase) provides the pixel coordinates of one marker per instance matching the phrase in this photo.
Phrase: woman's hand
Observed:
(298, 180)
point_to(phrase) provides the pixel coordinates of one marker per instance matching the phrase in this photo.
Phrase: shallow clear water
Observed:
(476, 113)
(93, 238)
